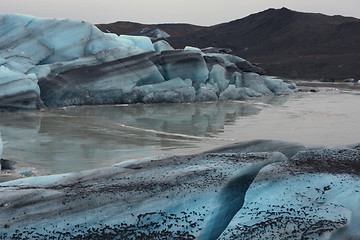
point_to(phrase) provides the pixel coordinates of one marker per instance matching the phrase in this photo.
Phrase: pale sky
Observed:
(199, 12)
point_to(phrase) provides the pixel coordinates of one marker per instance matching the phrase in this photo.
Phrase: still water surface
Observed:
(77, 138)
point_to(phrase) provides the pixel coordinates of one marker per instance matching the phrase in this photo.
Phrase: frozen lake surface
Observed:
(78, 138)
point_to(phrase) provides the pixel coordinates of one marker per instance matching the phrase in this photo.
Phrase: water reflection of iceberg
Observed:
(194, 119)
(84, 137)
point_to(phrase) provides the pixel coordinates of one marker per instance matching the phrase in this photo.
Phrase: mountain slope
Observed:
(174, 29)
(285, 43)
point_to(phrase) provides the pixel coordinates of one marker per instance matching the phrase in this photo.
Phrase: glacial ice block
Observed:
(227, 57)
(162, 45)
(141, 42)
(207, 92)
(233, 93)
(105, 83)
(18, 90)
(175, 90)
(218, 75)
(277, 86)
(256, 82)
(184, 64)
(194, 49)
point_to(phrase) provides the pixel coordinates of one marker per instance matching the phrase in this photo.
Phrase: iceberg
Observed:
(61, 62)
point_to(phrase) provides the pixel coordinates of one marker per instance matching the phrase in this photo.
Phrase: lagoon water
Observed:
(67, 139)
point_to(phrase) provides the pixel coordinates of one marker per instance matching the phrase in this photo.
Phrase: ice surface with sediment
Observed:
(288, 192)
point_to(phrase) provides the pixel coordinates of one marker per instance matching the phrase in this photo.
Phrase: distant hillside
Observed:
(175, 29)
(283, 42)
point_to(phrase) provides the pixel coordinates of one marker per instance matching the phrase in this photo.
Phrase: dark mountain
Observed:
(173, 29)
(283, 42)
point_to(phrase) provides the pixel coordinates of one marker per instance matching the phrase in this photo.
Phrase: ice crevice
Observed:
(232, 197)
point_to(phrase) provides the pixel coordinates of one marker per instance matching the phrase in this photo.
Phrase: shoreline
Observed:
(317, 83)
